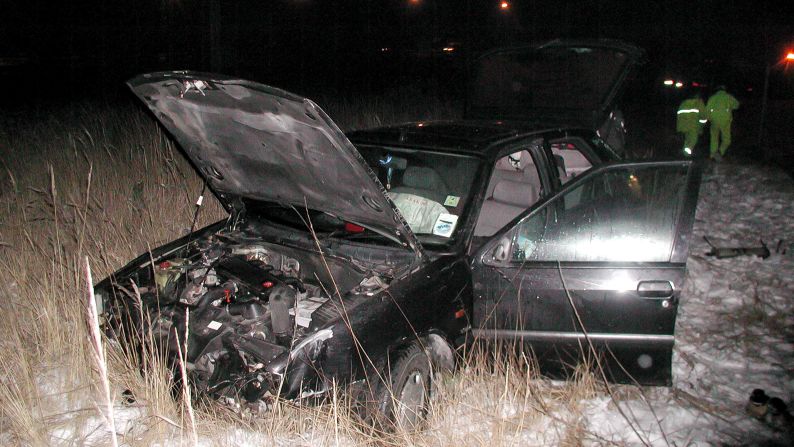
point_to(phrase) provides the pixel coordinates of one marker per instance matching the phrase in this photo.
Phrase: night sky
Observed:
(90, 46)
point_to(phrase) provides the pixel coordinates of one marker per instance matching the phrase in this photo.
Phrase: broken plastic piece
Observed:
(732, 252)
(353, 228)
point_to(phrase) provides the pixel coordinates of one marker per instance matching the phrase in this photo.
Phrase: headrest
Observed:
(523, 157)
(423, 178)
(515, 193)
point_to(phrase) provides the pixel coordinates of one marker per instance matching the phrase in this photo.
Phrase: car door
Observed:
(597, 268)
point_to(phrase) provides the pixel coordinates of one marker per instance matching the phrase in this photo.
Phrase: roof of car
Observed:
(461, 136)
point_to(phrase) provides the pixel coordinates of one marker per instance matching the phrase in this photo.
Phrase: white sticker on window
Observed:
(445, 225)
(452, 201)
(214, 325)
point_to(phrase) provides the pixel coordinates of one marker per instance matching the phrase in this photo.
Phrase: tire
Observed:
(405, 402)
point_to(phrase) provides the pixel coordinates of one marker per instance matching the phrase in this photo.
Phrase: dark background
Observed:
(87, 48)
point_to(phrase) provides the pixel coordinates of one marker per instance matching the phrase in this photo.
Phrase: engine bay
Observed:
(235, 307)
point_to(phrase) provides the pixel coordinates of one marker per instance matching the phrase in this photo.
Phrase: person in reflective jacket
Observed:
(719, 109)
(690, 120)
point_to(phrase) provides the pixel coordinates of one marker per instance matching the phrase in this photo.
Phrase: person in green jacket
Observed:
(690, 120)
(719, 110)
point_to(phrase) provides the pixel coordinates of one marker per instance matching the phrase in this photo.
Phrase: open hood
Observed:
(571, 82)
(252, 141)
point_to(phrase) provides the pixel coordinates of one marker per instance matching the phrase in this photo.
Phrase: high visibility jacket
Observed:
(691, 115)
(720, 107)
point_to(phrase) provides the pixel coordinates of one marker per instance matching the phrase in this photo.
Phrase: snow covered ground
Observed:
(735, 328)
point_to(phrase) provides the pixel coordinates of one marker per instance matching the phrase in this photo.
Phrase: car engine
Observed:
(244, 305)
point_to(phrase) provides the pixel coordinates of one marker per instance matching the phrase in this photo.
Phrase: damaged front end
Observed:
(256, 300)
(254, 316)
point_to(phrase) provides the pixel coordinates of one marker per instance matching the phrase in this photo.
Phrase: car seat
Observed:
(509, 199)
(424, 182)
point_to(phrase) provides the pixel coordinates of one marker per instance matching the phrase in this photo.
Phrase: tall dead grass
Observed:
(104, 183)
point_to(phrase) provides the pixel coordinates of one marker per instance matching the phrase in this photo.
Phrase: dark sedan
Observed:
(366, 259)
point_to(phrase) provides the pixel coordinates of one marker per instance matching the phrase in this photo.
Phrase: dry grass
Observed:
(105, 183)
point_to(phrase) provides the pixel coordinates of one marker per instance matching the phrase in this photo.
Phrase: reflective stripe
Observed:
(688, 111)
(703, 121)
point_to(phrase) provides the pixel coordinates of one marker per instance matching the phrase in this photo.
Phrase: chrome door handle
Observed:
(655, 289)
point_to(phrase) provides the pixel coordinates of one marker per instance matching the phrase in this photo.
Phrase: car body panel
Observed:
(253, 141)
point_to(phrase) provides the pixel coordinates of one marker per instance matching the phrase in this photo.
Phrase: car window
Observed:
(431, 190)
(570, 158)
(623, 214)
(514, 186)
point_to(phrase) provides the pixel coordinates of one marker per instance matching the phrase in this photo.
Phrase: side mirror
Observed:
(502, 251)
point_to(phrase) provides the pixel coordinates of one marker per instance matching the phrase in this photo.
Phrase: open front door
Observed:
(602, 263)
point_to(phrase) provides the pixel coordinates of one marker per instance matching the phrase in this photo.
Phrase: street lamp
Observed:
(789, 57)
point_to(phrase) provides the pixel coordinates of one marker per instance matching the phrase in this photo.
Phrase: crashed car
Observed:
(365, 260)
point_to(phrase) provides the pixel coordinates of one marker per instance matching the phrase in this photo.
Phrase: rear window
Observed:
(570, 78)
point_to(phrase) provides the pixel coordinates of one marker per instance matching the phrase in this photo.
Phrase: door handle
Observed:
(655, 289)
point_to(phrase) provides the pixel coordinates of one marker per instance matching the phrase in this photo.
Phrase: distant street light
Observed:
(789, 57)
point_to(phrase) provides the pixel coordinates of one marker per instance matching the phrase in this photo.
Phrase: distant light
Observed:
(749, 89)
(420, 125)
(448, 49)
(679, 84)
(668, 82)
(790, 56)
(385, 49)
(688, 151)
(695, 84)
(504, 5)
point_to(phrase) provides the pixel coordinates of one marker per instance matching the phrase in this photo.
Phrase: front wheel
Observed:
(406, 401)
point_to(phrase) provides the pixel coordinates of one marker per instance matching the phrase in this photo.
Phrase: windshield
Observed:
(432, 190)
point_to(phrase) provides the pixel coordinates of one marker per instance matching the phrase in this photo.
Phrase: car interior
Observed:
(424, 186)
(514, 186)
(569, 158)
(424, 182)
